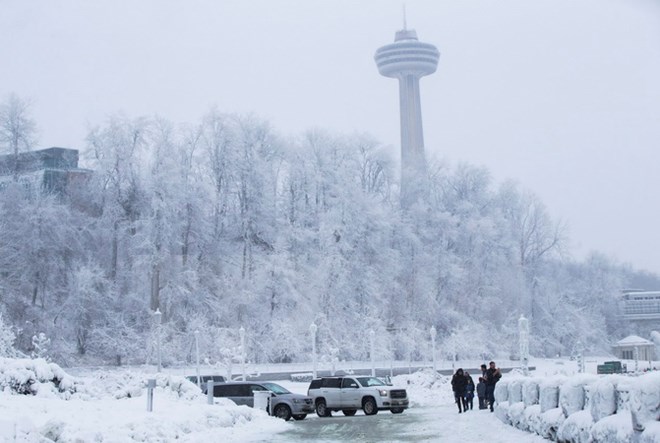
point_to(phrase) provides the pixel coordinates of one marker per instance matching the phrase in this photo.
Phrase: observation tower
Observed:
(408, 59)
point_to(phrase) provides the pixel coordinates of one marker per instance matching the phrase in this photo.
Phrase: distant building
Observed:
(52, 170)
(634, 348)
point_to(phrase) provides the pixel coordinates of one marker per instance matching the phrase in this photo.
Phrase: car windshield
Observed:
(370, 381)
(277, 389)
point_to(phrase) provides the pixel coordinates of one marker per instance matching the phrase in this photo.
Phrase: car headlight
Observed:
(297, 400)
(383, 392)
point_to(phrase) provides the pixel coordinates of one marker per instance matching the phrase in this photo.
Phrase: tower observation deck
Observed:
(408, 59)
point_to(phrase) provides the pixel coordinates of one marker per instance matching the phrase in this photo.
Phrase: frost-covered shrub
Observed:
(515, 391)
(34, 376)
(551, 420)
(517, 415)
(530, 392)
(572, 397)
(502, 391)
(549, 393)
(533, 418)
(502, 412)
(576, 427)
(603, 398)
(613, 428)
(7, 338)
(645, 398)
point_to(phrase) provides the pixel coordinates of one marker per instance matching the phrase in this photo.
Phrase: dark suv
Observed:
(350, 393)
(283, 403)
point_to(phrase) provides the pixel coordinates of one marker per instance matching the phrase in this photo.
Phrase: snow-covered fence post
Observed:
(151, 384)
(158, 318)
(312, 331)
(636, 355)
(209, 392)
(523, 328)
(433, 333)
(241, 333)
(580, 356)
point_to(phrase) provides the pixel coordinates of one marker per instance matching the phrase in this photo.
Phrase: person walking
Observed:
(458, 384)
(493, 375)
(469, 392)
(481, 392)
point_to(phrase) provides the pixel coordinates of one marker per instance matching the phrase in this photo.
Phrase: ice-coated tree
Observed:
(7, 338)
(40, 345)
(17, 127)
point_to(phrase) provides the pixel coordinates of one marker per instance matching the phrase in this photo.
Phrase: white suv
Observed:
(348, 394)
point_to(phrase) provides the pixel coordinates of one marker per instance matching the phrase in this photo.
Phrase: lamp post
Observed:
(158, 318)
(372, 339)
(199, 383)
(523, 328)
(312, 331)
(454, 350)
(241, 333)
(433, 333)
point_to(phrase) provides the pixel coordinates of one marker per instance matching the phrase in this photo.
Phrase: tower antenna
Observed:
(405, 24)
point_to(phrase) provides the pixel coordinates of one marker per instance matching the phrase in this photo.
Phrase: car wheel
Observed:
(349, 412)
(299, 416)
(321, 409)
(369, 406)
(283, 411)
(397, 410)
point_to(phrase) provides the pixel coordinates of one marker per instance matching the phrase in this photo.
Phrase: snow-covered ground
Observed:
(111, 406)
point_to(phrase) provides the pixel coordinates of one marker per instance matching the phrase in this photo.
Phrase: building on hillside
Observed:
(634, 348)
(52, 170)
(641, 310)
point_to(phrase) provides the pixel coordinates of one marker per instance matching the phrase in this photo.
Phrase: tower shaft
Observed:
(413, 161)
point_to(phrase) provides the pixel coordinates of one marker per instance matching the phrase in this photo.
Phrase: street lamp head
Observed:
(372, 333)
(313, 328)
(158, 315)
(196, 332)
(241, 331)
(433, 331)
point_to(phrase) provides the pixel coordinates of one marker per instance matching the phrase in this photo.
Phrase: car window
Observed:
(257, 388)
(349, 383)
(227, 391)
(332, 382)
(370, 381)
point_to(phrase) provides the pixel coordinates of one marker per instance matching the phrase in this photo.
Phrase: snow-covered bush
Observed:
(40, 343)
(517, 415)
(551, 421)
(576, 427)
(651, 434)
(603, 398)
(615, 428)
(502, 412)
(549, 393)
(530, 392)
(34, 376)
(645, 400)
(501, 392)
(533, 418)
(572, 396)
(515, 391)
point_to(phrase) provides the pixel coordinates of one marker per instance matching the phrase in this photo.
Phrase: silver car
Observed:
(283, 403)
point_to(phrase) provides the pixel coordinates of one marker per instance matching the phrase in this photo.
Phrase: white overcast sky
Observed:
(562, 96)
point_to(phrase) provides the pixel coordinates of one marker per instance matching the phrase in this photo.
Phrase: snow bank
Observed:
(426, 388)
(39, 402)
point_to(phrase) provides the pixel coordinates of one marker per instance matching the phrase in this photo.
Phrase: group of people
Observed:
(463, 387)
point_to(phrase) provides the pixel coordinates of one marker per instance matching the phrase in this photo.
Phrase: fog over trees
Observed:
(224, 223)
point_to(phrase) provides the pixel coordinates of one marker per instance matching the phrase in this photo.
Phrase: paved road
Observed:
(422, 424)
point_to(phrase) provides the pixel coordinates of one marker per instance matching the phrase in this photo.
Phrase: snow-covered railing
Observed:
(583, 408)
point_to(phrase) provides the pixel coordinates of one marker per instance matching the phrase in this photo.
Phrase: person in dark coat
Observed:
(493, 375)
(469, 391)
(458, 384)
(481, 393)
